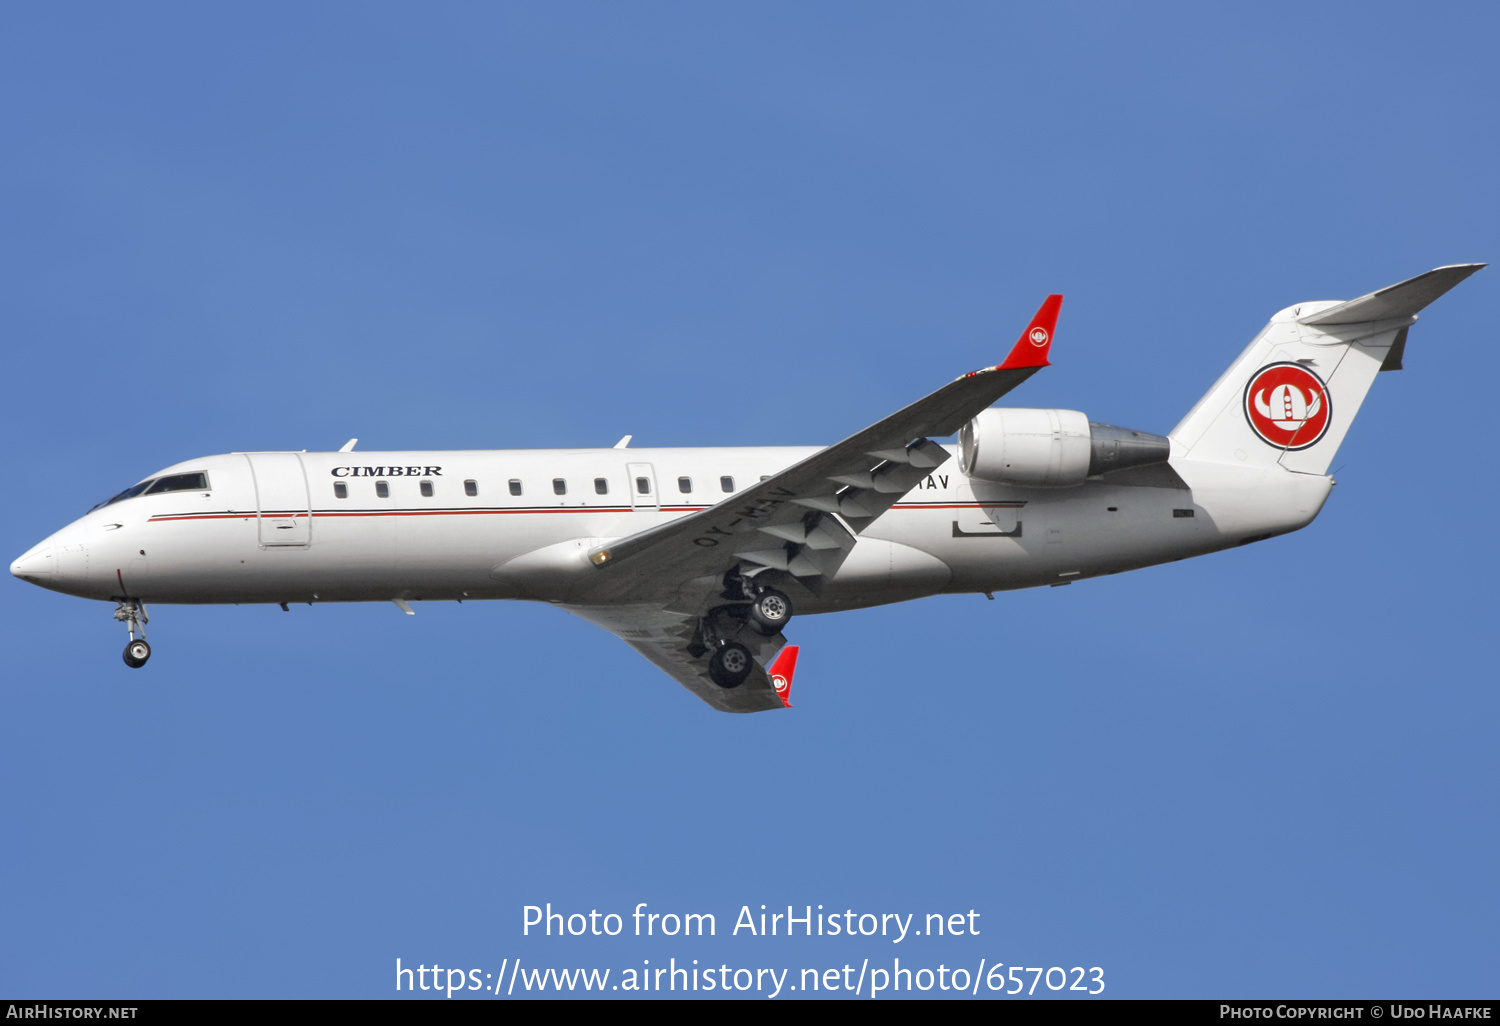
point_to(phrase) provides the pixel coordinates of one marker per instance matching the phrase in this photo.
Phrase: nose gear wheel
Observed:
(132, 613)
(136, 653)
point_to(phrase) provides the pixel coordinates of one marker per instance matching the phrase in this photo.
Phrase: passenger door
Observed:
(281, 498)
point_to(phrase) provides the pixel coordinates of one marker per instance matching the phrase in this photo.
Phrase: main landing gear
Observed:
(754, 611)
(730, 665)
(770, 611)
(756, 602)
(132, 612)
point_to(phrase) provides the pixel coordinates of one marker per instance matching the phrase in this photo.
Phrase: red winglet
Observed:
(781, 674)
(1036, 340)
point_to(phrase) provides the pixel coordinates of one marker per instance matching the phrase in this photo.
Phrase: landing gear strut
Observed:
(132, 612)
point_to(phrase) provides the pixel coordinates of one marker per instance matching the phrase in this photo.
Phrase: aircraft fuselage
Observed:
(315, 526)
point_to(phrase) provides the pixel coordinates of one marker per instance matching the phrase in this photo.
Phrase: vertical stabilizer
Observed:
(1291, 396)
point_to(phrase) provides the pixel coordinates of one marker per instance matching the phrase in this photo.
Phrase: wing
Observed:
(805, 520)
(665, 638)
(656, 589)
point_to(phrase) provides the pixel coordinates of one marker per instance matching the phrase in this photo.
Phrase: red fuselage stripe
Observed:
(251, 515)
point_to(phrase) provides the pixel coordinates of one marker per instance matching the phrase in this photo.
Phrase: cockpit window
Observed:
(180, 483)
(128, 493)
(197, 482)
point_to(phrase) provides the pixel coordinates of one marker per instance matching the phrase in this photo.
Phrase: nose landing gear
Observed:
(132, 613)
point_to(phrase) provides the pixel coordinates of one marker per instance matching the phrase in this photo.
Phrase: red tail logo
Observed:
(1287, 406)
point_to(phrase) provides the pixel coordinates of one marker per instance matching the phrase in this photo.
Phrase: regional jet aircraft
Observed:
(698, 557)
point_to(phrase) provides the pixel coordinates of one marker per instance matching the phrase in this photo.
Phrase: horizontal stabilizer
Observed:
(1401, 300)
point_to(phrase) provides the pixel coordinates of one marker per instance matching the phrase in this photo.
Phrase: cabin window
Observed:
(471, 488)
(340, 490)
(426, 489)
(515, 487)
(601, 486)
(179, 483)
(726, 483)
(643, 485)
(559, 486)
(685, 485)
(383, 489)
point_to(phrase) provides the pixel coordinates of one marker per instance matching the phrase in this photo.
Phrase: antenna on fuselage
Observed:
(348, 446)
(624, 443)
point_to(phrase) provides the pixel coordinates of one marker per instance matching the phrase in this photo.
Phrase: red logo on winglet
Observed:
(781, 674)
(1035, 342)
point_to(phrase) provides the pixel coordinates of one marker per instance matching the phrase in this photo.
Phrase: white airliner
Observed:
(697, 557)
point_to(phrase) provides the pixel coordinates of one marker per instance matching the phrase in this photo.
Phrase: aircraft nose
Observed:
(37, 565)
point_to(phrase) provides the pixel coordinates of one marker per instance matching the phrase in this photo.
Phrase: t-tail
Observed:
(1291, 396)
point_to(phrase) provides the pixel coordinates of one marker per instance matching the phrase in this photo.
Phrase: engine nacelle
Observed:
(1051, 448)
(1042, 448)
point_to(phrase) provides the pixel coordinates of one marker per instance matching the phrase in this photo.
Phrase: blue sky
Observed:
(1269, 772)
